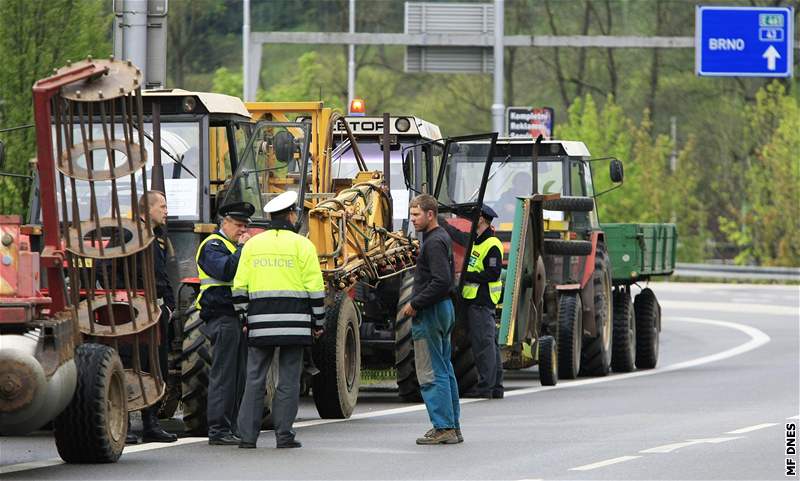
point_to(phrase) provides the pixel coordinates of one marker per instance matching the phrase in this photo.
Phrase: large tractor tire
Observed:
(570, 204)
(464, 365)
(337, 354)
(407, 383)
(623, 353)
(596, 356)
(567, 247)
(195, 365)
(92, 428)
(648, 326)
(548, 361)
(570, 335)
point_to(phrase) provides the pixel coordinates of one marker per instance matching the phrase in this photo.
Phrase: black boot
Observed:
(131, 438)
(153, 432)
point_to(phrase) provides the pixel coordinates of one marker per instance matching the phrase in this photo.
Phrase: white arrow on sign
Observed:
(771, 55)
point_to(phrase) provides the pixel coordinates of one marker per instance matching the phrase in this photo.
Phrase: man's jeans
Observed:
(431, 330)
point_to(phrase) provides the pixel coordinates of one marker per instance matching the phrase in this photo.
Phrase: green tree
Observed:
(766, 225)
(37, 36)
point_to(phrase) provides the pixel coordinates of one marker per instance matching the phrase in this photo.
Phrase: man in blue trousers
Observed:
(431, 309)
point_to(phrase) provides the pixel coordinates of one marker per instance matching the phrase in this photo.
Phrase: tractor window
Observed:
(274, 161)
(180, 158)
(576, 179)
(344, 166)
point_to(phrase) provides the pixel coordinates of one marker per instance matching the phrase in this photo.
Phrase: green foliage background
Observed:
(730, 178)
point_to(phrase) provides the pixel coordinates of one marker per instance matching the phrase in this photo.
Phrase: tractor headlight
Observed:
(402, 124)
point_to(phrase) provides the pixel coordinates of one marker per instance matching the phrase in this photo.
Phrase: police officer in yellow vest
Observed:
(217, 261)
(279, 294)
(481, 293)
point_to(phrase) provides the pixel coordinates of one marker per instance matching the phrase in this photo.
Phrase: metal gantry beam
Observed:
(455, 40)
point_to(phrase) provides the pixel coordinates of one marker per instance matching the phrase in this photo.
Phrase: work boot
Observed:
(439, 436)
(289, 444)
(153, 432)
(432, 431)
(226, 440)
(246, 445)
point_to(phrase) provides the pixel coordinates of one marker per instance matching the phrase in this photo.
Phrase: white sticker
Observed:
(181, 197)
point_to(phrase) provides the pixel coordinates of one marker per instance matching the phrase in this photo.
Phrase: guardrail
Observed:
(724, 271)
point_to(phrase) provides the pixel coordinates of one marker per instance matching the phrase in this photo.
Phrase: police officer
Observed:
(279, 294)
(217, 259)
(481, 293)
(155, 203)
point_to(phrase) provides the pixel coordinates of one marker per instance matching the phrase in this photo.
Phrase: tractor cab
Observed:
(202, 136)
(408, 136)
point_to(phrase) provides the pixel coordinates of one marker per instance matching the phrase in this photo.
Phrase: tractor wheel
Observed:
(648, 323)
(570, 335)
(596, 356)
(195, 365)
(623, 353)
(464, 366)
(567, 247)
(407, 383)
(172, 395)
(570, 204)
(548, 361)
(337, 354)
(93, 426)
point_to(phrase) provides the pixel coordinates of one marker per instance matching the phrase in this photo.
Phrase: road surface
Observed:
(716, 407)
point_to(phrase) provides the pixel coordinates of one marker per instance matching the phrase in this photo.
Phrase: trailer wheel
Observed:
(596, 358)
(407, 383)
(648, 321)
(548, 361)
(570, 204)
(567, 247)
(623, 353)
(195, 365)
(337, 354)
(570, 335)
(93, 426)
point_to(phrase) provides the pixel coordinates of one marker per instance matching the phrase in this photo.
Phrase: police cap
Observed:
(488, 212)
(282, 202)
(239, 210)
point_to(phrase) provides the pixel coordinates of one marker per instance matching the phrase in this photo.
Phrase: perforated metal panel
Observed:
(470, 19)
(465, 18)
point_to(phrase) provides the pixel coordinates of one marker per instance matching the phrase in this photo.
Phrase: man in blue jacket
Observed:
(217, 260)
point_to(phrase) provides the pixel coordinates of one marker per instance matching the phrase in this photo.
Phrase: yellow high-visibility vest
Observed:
(280, 284)
(207, 281)
(479, 251)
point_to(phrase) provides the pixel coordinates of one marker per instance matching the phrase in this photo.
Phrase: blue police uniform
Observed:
(217, 260)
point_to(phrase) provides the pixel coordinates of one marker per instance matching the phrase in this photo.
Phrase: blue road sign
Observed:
(744, 41)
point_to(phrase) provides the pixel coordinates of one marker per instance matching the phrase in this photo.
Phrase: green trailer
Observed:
(640, 251)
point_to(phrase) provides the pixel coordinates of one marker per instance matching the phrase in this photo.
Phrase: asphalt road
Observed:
(716, 407)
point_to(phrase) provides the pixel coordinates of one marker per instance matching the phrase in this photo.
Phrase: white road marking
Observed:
(607, 462)
(31, 465)
(757, 339)
(794, 417)
(752, 428)
(668, 448)
(733, 307)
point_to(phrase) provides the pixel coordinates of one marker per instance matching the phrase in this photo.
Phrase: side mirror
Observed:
(616, 171)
